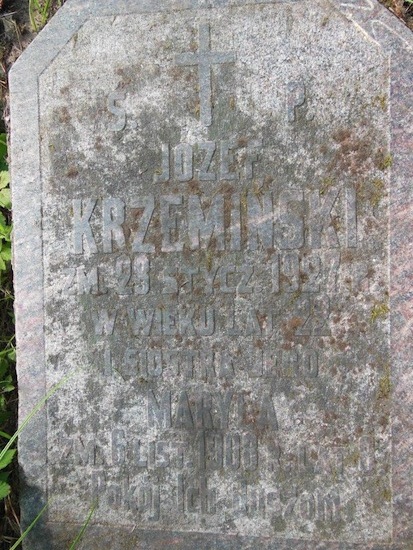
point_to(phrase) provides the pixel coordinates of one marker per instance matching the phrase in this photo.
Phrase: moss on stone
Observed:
(379, 311)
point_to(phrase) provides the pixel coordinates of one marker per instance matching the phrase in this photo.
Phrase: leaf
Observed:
(4, 476)
(2, 264)
(6, 252)
(11, 355)
(4, 367)
(5, 198)
(4, 416)
(6, 386)
(4, 177)
(7, 458)
(6, 380)
(5, 232)
(4, 489)
(6, 436)
(3, 152)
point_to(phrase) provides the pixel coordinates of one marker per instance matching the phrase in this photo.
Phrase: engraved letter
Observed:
(260, 221)
(320, 219)
(247, 272)
(209, 148)
(87, 282)
(206, 322)
(141, 321)
(291, 271)
(202, 227)
(170, 224)
(307, 506)
(159, 412)
(233, 451)
(123, 271)
(184, 419)
(183, 162)
(117, 111)
(164, 176)
(224, 273)
(98, 483)
(170, 284)
(224, 404)
(227, 159)
(141, 275)
(267, 417)
(250, 451)
(328, 507)
(118, 447)
(82, 212)
(104, 322)
(235, 228)
(113, 218)
(148, 203)
(252, 157)
(70, 278)
(290, 229)
(310, 363)
(295, 99)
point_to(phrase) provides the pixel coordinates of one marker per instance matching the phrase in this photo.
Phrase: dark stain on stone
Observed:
(64, 115)
(72, 172)
(353, 152)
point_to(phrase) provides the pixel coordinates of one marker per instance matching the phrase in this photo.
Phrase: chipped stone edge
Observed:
(27, 246)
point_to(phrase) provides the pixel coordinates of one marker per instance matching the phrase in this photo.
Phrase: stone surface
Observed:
(213, 236)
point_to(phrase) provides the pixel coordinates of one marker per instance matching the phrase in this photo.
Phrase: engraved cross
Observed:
(205, 58)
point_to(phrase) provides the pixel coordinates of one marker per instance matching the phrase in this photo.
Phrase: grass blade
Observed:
(35, 410)
(27, 531)
(7, 458)
(84, 527)
(31, 15)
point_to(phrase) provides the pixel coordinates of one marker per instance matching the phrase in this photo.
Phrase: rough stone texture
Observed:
(212, 233)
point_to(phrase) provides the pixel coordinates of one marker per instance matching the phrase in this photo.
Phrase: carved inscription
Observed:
(213, 161)
(206, 366)
(175, 296)
(184, 221)
(226, 281)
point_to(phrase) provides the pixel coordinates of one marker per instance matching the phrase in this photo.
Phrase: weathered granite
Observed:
(212, 207)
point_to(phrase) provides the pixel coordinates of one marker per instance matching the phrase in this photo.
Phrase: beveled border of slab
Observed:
(396, 40)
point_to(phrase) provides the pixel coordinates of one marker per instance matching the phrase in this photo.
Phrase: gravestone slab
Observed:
(212, 249)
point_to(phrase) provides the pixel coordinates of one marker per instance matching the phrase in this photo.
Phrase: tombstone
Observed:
(212, 250)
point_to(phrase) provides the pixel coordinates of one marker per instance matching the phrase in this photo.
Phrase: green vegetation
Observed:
(7, 453)
(378, 192)
(7, 351)
(5, 206)
(385, 162)
(79, 537)
(384, 386)
(33, 523)
(379, 311)
(40, 12)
